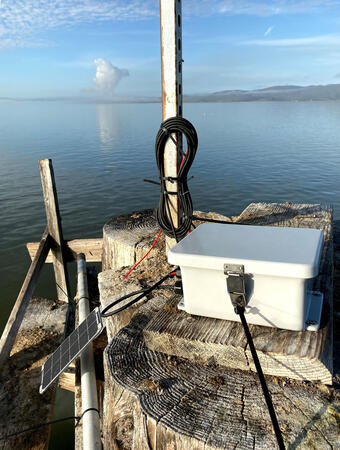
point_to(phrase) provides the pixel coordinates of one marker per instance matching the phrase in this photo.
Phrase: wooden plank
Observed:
(301, 355)
(54, 228)
(22, 407)
(23, 299)
(92, 249)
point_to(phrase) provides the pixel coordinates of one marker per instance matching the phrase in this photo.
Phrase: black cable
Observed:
(203, 219)
(142, 292)
(171, 126)
(41, 425)
(240, 311)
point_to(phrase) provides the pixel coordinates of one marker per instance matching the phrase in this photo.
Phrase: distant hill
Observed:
(273, 93)
(269, 94)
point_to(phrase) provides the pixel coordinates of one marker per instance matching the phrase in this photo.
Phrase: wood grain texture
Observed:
(183, 405)
(54, 228)
(128, 237)
(18, 311)
(302, 355)
(92, 249)
(154, 400)
(41, 331)
(67, 378)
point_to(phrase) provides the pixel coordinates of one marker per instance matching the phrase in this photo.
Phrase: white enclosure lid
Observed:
(287, 252)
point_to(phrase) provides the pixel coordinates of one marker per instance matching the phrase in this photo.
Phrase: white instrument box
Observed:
(279, 267)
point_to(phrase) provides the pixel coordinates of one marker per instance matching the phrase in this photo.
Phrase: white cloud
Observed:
(268, 31)
(107, 76)
(320, 41)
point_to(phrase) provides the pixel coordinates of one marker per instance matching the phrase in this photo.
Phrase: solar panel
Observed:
(72, 346)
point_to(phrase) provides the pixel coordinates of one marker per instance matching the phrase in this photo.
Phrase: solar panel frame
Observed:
(70, 348)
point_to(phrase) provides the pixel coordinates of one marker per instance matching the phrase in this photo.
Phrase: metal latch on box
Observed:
(235, 285)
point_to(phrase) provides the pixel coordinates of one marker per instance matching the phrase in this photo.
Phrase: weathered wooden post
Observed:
(171, 51)
(54, 228)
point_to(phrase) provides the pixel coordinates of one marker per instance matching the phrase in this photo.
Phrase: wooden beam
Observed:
(24, 297)
(171, 53)
(92, 249)
(54, 228)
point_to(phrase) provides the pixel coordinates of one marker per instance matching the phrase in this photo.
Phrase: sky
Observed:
(111, 48)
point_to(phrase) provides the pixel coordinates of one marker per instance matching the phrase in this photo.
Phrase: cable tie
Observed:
(171, 179)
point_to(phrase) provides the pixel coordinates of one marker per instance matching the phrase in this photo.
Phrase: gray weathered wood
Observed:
(92, 249)
(128, 237)
(22, 407)
(302, 355)
(54, 228)
(23, 299)
(154, 400)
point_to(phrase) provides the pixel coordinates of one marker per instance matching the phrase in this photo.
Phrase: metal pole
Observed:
(171, 52)
(90, 420)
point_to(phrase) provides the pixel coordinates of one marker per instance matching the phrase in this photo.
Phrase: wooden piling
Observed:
(157, 399)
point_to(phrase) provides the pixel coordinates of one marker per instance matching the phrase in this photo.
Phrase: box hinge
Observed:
(235, 285)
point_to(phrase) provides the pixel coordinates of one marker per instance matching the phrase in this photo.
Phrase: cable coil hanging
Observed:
(169, 127)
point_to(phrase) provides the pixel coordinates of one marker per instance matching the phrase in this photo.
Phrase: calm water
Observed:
(101, 153)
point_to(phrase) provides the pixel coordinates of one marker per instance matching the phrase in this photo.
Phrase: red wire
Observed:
(146, 254)
(183, 159)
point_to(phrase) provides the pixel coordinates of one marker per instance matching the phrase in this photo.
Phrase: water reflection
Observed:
(107, 124)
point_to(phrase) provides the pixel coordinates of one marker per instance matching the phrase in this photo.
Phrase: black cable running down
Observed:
(142, 292)
(240, 311)
(169, 127)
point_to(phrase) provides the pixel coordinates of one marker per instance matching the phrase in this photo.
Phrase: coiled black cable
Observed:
(169, 127)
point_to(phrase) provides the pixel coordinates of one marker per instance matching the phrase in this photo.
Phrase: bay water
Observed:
(248, 152)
